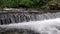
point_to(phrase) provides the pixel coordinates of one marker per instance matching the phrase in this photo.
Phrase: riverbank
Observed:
(30, 10)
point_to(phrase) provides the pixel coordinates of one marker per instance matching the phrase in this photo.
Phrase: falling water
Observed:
(50, 26)
(22, 17)
(8, 18)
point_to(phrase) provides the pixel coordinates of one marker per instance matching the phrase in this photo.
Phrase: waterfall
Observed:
(50, 26)
(7, 18)
(26, 17)
(17, 21)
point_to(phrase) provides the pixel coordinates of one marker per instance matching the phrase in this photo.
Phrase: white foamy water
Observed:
(50, 26)
(26, 17)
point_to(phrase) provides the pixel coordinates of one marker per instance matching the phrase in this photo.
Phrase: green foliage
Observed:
(28, 3)
(52, 2)
(8, 3)
(33, 3)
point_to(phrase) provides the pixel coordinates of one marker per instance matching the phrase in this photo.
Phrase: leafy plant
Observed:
(26, 3)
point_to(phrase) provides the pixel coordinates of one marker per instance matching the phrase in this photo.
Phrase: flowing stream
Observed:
(9, 18)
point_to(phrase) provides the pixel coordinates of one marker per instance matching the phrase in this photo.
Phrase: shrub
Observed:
(26, 3)
(8, 3)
